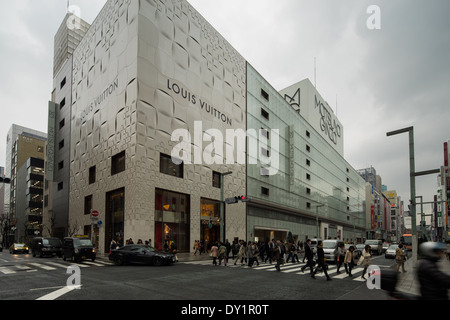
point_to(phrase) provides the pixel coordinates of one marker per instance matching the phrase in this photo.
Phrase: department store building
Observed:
(148, 69)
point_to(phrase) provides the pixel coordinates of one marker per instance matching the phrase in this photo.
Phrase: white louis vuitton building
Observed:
(144, 69)
(147, 69)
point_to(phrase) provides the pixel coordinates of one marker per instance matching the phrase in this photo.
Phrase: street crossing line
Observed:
(292, 268)
(49, 266)
(38, 265)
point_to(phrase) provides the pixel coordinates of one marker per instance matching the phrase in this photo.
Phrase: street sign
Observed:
(94, 214)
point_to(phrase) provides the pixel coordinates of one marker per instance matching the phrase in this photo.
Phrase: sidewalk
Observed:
(182, 257)
(409, 283)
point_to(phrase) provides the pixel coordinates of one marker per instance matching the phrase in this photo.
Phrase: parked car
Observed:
(42, 246)
(376, 246)
(330, 249)
(19, 247)
(141, 254)
(78, 249)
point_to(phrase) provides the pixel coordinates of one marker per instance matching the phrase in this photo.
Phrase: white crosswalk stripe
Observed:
(290, 268)
(49, 266)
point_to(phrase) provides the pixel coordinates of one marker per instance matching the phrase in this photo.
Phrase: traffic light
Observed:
(244, 198)
(237, 199)
(232, 200)
(5, 180)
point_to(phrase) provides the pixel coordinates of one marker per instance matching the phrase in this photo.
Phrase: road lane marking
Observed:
(38, 265)
(58, 293)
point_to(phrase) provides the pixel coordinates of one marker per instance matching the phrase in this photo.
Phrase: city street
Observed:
(23, 277)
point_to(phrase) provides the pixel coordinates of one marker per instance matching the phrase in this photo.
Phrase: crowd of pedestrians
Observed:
(279, 253)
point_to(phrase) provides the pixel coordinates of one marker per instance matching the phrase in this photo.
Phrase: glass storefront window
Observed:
(210, 221)
(172, 220)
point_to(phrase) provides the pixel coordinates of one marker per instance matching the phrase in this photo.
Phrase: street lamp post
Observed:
(413, 175)
(222, 209)
(317, 219)
(412, 183)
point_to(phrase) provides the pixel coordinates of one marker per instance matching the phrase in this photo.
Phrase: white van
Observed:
(330, 249)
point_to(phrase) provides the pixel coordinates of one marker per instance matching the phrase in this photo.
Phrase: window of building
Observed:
(216, 179)
(61, 144)
(265, 191)
(60, 186)
(265, 133)
(118, 163)
(308, 205)
(62, 103)
(264, 94)
(264, 172)
(61, 165)
(265, 152)
(308, 134)
(308, 148)
(87, 205)
(62, 123)
(308, 162)
(167, 166)
(92, 174)
(63, 83)
(308, 176)
(264, 113)
(308, 191)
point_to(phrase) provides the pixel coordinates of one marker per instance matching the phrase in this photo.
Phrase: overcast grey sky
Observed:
(382, 80)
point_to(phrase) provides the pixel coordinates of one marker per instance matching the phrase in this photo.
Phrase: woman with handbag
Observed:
(350, 259)
(364, 261)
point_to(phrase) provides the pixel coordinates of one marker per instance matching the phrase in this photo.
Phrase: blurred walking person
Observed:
(434, 284)
(350, 260)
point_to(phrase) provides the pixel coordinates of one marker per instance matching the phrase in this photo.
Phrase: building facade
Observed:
(24, 192)
(167, 120)
(306, 188)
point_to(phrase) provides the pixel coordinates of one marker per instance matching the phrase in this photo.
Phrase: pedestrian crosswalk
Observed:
(28, 267)
(292, 268)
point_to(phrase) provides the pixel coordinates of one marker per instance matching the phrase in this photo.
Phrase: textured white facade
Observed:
(144, 69)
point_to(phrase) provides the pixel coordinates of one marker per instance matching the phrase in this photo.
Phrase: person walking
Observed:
(350, 260)
(364, 261)
(223, 254)
(269, 250)
(214, 253)
(321, 264)
(250, 253)
(309, 257)
(242, 253)
(278, 253)
(341, 257)
(434, 283)
(400, 258)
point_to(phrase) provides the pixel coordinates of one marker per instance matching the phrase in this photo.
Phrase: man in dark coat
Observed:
(321, 265)
(309, 256)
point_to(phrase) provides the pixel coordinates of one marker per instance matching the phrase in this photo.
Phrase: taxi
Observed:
(19, 247)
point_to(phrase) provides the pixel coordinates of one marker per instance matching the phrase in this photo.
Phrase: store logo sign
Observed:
(328, 122)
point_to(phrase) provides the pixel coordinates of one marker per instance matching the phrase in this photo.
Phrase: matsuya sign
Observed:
(307, 101)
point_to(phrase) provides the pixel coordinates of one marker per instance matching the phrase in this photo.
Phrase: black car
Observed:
(141, 254)
(78, 249)
(42, 246)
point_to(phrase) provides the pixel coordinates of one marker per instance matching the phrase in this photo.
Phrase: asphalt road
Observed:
(23, 277)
